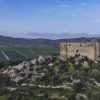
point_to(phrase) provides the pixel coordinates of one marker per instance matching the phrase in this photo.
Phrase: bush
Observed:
(4, 80)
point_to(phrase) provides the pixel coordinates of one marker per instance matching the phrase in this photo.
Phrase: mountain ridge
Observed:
(6, 40)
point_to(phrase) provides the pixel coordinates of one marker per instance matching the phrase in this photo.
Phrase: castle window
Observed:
(80, 45)
(76, 51)
(64, 45)
(69, 44)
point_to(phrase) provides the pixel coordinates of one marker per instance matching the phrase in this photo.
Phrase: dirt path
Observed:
(5, 55)
(22, 54)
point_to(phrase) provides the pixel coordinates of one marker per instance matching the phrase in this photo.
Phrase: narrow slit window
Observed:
(76, 51)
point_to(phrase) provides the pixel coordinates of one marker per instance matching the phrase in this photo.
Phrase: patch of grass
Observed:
(4, 97)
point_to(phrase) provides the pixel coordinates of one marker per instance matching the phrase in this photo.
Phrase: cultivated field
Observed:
(18, 53)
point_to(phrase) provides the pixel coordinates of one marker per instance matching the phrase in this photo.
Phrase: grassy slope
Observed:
(30, 51)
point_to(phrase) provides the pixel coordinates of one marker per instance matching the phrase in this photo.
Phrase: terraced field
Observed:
(23, 53)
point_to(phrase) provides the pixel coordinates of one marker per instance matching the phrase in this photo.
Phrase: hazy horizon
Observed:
(52, 36)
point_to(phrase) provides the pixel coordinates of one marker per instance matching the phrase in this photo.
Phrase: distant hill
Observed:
(22, 41)
(53, 36)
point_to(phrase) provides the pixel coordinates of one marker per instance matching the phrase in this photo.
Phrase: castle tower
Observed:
(89, 49)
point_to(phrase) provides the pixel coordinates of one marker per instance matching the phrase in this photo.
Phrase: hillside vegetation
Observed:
(12, 55)
(50, 78)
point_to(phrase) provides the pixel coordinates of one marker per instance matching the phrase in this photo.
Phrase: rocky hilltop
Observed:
(76, 78)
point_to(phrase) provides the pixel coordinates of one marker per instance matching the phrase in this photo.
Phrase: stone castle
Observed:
(89, 49)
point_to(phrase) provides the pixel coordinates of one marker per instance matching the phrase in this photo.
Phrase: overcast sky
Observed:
(50, 16)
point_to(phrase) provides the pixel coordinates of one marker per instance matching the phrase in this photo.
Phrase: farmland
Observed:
(20, 53)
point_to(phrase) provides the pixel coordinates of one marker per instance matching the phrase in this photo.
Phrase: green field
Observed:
(18, 53)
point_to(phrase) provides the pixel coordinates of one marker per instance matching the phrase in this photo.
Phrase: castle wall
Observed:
(97, 51)
(91, 50)
(63, 50)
